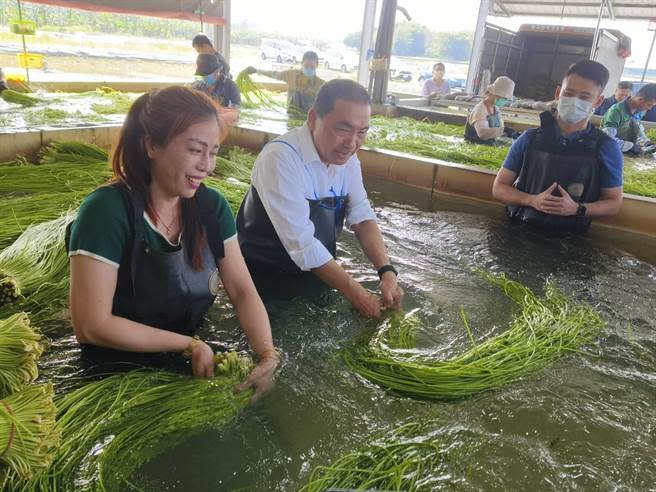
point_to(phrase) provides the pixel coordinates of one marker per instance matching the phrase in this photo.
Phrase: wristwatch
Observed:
(581, 211)
(386, 268)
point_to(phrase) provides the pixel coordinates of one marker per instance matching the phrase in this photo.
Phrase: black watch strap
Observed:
(386, 268)
(581, 211)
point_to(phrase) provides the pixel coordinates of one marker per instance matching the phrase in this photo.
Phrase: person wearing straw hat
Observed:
(566, 172)
(484, 123)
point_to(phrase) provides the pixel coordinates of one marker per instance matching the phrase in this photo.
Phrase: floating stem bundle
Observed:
(237, 163)
(543, 331)
(20, 349)
(406, 459)
(72, 151)
(28, 436)
(113, 426)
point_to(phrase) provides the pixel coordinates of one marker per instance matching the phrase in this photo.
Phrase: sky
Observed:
(334, 19)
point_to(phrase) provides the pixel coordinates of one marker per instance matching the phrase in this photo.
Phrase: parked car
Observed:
(402, 74)
(279, 50)
(339, 60)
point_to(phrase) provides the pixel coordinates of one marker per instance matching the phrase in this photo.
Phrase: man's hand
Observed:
(392, 294)
(202, 360)
(555, 205)
(250, 70)
(636, 149)
(261, 378)
(364, 301)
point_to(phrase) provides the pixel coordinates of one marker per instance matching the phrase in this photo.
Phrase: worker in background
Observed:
(623, 90)
(650, 115)
(3, 82)
(305, 185)
(565, 172)
(436, 86)
(302, 85)
(203, 46)
(623, 121)
(214, 83)
(484, 123)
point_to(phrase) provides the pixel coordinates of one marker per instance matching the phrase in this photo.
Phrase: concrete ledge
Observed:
(131, 86)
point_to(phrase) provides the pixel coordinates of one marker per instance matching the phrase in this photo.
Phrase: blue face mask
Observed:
(639, 115)
(501, 102)
(209, 79)
(309, 72)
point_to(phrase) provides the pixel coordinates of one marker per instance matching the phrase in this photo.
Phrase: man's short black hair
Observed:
(438, 65)
(625, 85)
(591, 70)
(311, 56)
(201, 39)
(206, 64)
(647, 92)
(344, 89)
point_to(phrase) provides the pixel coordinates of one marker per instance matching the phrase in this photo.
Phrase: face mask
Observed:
(309, 72)
(639, 115)
(209, 79)
(501, 102)
(574, 110)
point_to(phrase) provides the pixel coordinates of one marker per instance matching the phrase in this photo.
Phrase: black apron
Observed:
(471, 135)
(575, 165)
(162, 289)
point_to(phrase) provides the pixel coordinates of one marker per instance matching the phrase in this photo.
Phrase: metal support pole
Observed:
(222, 33)
(20, 18)
(383, 50)
(595, 39)
(651, 48)
(366, 40)
(477, 46)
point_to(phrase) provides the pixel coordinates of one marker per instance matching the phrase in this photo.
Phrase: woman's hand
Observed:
(202, 360)
(261, 378)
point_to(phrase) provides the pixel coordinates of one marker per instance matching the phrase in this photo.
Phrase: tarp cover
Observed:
(168, 9)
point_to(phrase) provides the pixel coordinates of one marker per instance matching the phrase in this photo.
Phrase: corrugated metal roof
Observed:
(618, 9)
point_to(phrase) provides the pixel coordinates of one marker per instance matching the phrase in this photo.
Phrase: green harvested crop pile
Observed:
(544, 330)
(237, 163)
(115, 102)
(407, 459)
(12, 96)
(73, 151)
(20, 349)
(253, 96)
(113, 426)
(36, 267)
(651, 134)
(28, 433)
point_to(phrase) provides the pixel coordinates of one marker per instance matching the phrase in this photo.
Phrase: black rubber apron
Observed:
(265, 255)
(493, 121)
(162, 289)
(575, 165)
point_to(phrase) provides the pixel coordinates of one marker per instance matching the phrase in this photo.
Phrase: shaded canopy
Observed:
(614, 9)
(211, 10)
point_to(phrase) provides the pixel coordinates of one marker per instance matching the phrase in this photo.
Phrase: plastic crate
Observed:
(30, 60)
(25, 27)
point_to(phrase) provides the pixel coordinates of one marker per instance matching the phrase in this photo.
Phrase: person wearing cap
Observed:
(566, 172)
(622, 91)
(623, 121)
(214, 83)
(203, 46)
(484, 123)
(302, 85)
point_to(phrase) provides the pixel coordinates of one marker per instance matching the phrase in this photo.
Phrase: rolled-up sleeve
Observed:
(277, 184)
(359, 208)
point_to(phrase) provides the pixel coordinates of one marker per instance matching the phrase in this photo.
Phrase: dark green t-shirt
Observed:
(102, 227)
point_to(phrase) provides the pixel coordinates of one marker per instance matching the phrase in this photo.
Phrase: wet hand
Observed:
(261, 378)
(392, 294)
(366, 303)
(559, 205)
(202, 360)
(250, 70)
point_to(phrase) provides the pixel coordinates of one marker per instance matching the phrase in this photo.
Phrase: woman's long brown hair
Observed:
(161, 115)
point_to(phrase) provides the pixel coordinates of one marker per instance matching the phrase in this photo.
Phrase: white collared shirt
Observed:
(286, 175)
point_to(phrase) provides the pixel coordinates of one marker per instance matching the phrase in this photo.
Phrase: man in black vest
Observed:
(566, 172)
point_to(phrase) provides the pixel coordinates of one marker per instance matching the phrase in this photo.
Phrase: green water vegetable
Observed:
(12, 96)
(252, 95)
(20, 349)
(72, 151)
(237, 164)
(543, 330)
(111, 427)
(37, 266)
(28, 434)
(410, 458)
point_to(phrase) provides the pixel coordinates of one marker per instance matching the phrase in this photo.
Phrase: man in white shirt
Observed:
(305, 185)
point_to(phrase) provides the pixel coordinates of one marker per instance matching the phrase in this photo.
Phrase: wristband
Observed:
(386, 268)
(195, 340)
(270, 353)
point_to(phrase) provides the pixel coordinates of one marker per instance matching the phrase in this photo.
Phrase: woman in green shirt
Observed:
(146, 252)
